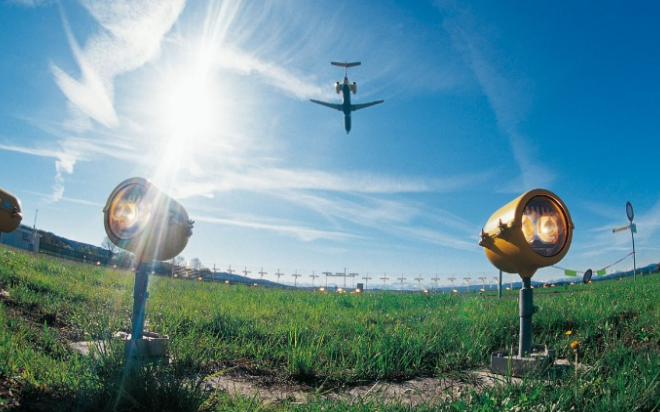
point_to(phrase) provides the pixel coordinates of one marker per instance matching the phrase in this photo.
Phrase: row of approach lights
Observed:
(586, 279)
(532, 231)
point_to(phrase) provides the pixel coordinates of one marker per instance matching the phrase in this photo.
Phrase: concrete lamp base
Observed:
(507, 362)
(151, 348)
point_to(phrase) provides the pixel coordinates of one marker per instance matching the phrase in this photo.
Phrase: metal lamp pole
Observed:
(631, 215)
(526, 311)
(632, 234)
(140, 295)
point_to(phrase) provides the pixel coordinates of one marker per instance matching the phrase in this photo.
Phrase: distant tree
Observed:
(108, 245)
(195, 264)
(119, 256)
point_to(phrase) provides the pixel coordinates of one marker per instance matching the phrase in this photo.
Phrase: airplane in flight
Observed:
(346, 88)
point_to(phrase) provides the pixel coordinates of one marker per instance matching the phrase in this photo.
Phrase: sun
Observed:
(195, 113)
(189, 111)
(189, 108)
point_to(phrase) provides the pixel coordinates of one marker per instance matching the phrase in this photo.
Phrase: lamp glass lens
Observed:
(544, 226)
(528, 228)
(129, 212)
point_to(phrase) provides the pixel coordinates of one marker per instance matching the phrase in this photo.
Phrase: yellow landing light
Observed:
(533, 231)
(10, 212)
(140, 218)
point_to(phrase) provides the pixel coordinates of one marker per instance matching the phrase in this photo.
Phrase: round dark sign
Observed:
(587, 276)
(629, 211)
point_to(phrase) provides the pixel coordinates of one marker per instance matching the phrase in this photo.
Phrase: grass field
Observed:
(321, 342)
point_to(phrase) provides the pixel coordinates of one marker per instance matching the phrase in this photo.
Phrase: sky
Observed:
(484, 100)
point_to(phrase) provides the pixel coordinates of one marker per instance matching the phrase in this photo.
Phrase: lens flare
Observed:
(140, 218)
(129, 212)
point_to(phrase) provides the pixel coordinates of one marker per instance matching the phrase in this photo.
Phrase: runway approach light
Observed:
(10, 212)
(140, 218)
(532, 231)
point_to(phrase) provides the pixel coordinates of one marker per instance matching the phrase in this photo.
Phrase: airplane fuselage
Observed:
(346, 106)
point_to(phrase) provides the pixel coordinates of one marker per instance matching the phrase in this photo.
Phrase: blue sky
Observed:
(210, 100)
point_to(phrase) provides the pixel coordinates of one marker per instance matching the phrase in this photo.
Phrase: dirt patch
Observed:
(9, 394)
(419, 391)
(413, 392)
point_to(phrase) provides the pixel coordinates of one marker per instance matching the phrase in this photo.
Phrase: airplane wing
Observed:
(355, 107)
(330, 105)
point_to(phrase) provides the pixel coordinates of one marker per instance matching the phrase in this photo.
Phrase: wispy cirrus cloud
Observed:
(68, 151)
(395, 216)
(287, 228)
(273, 179)
(129, 35)
(604, 247)
(65, 159)
(270, 73)
(30, 3)
(78, 201)
(508, 95)
(358, 219)
(649, 222)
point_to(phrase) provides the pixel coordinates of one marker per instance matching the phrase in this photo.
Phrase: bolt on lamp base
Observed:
(507, 362)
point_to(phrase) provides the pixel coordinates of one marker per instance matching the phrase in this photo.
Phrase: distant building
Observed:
(22, 238)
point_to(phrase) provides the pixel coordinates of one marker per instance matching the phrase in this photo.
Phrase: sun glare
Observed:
(192, 109)
(189, 110)
(188, 113)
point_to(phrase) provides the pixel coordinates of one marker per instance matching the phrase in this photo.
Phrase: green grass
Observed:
(321, 340)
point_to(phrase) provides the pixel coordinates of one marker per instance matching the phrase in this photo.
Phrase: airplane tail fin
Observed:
(345, 64)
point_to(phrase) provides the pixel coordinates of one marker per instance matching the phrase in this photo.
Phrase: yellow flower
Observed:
(575, 344)
(569, 332)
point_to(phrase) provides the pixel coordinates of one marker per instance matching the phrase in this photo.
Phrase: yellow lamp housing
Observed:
(140, 218)
(10, 211)
(533, 231)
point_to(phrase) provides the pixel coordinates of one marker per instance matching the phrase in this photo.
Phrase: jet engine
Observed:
(354, 87)
(338, 87)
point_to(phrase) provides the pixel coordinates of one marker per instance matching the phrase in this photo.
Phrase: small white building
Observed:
(22, 237)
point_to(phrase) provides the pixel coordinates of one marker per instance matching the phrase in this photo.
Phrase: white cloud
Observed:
(65, 160)
(129, 36)
(30, 3)
(244, 176)
(270, 73)
(649, 222)
(303, 233)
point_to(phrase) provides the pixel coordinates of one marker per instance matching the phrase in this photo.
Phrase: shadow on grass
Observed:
(117, 388)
